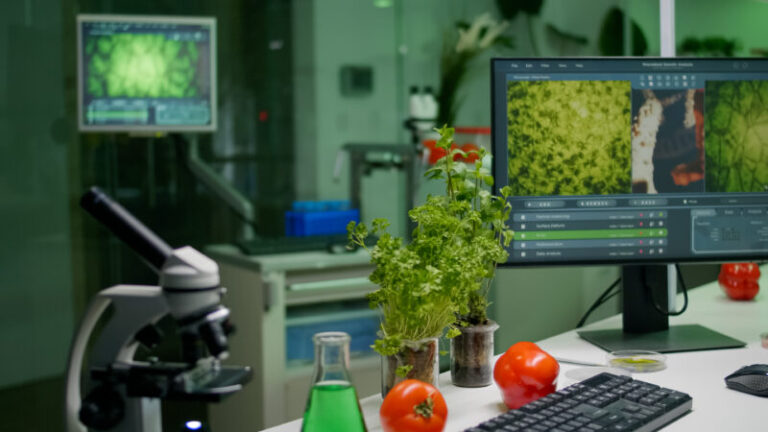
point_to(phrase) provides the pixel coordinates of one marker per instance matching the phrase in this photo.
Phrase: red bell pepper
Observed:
(525, 373)
(739, 280)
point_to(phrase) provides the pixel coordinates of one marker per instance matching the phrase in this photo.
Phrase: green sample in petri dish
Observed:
(637, 360)
(332, 406)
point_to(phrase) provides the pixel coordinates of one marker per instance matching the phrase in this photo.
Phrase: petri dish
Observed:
(637, 360)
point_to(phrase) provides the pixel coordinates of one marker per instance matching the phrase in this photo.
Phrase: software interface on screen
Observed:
(146, 73)
(633, 160)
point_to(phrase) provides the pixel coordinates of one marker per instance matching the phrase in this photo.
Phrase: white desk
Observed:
(700, 374)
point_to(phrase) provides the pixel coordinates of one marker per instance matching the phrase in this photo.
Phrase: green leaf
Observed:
(402, 371)
(452, 333)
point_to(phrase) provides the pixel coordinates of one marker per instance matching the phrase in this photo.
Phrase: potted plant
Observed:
(438, 282)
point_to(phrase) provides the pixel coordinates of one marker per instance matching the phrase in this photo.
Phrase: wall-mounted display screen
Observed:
(141, 73)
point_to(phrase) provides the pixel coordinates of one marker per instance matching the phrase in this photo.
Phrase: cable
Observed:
(605, 296)
(685, 295)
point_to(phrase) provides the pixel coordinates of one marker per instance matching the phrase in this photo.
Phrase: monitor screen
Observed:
(139, 73)
(633, 160)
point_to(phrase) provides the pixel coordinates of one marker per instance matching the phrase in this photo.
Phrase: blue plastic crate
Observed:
(326, 222)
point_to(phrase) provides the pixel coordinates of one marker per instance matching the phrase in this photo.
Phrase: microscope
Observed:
(125, 394)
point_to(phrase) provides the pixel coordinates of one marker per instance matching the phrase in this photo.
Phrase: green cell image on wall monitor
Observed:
(140, 73)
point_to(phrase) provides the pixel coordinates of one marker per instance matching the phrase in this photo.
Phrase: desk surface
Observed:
(699, 374)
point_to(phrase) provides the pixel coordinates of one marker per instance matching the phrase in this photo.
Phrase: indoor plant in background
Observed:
(460, 49)
(438, 282)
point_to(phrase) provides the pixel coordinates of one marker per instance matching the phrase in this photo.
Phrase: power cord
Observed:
(609, 294)
(685, 295)
(604, 297)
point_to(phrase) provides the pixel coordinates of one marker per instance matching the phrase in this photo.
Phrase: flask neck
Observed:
(331, 357)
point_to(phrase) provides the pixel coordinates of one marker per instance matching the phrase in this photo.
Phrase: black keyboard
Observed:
(604, 403)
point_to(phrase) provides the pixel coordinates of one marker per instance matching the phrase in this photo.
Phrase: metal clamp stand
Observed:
(363, 161)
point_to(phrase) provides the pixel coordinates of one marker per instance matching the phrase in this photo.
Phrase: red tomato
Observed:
(739, 280)
(413, 406)
(525, 373)
(471, 151)
(430, 143)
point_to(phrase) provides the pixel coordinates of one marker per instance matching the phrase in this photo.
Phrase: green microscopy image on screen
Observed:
(736, 131)
(143, 65)
(569, 137)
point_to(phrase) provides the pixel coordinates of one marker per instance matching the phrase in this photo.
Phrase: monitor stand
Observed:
(645, 328)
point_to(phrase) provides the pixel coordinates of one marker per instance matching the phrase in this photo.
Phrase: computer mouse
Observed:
(751, 379)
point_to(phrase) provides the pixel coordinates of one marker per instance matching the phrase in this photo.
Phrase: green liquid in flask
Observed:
(332, 406)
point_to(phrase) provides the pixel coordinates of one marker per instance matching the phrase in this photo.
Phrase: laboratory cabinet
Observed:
(277, 303)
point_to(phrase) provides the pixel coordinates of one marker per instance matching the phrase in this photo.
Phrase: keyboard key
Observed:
(608, 420)
(547, 412)
(630, 408)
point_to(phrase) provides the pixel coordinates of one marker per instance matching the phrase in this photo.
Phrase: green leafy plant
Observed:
(440, 279)
(713, 46)
(611, 40)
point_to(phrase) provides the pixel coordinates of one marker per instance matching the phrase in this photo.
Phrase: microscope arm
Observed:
(74, 365)
(134, 307)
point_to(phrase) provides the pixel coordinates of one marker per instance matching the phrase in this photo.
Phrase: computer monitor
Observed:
(146, 73)
(638, 162)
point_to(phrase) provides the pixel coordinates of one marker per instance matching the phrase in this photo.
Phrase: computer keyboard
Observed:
(604, 403)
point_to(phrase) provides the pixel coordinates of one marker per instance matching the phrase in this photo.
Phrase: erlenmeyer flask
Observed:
(332, 404)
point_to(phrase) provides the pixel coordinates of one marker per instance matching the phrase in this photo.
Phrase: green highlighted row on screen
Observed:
(590, 234)
(125, 115)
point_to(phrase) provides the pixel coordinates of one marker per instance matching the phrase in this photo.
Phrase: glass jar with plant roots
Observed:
(416, 360)
(472, 355)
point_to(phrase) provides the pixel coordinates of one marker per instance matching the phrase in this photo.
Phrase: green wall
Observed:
(35, 264)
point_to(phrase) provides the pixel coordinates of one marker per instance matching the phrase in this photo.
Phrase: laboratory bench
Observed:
(699, 373)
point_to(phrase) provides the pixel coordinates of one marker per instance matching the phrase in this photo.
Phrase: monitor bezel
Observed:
(711, 259)
(193, 20)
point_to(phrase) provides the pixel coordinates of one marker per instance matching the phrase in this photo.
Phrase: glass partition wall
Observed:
(297, 80)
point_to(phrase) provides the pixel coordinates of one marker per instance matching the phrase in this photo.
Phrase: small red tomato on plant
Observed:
(472, 152)
(456, 157)
(739, 280)
(413, 406)
(525, 373)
